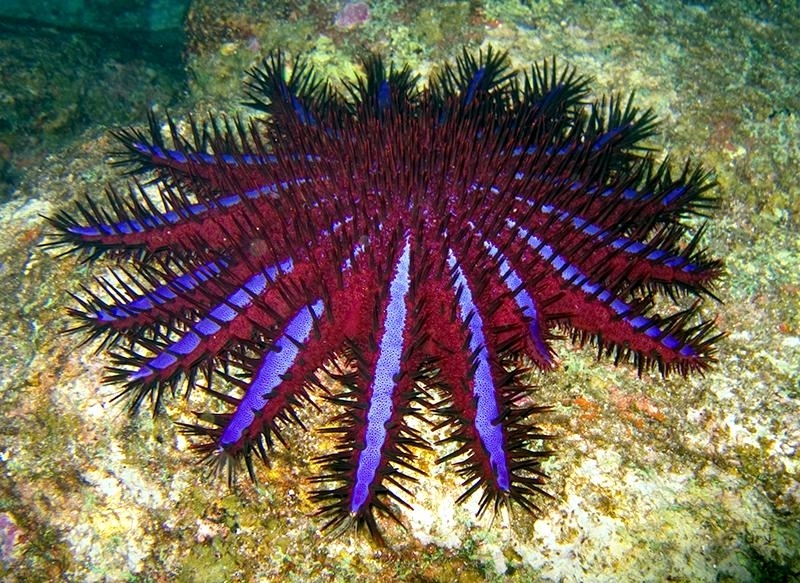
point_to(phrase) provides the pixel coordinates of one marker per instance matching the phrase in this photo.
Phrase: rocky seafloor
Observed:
(680, 479)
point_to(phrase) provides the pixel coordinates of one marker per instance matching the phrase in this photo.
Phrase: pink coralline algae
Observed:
(351, 15)
(10, 535)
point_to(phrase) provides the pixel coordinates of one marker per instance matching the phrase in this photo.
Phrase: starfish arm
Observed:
(137, 222)
(145, 301)
(624, 326)
(278, 385)
(480, 391)
(255, 306)
(376, 444)
(612, 255)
